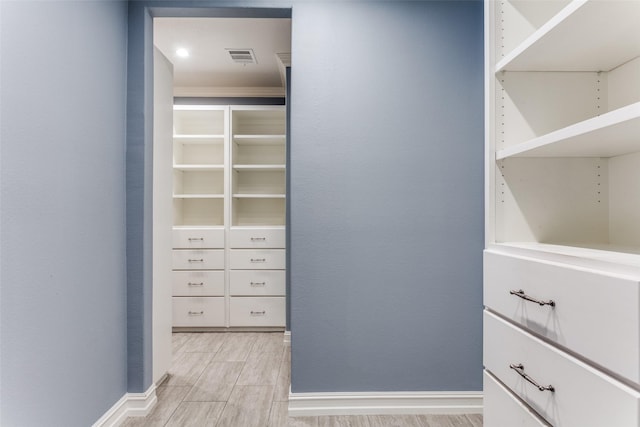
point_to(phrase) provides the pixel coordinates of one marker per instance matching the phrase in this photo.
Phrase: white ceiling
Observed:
(207, 39)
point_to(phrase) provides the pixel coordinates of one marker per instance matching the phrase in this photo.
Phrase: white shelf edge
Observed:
(199, 167)
(608, 120)
(198, 196)
(541, 32)
(626, 260)
(197, 136)
(260, 227)
(258, 196)
(199, 227)
(260, 167)
(244, 137)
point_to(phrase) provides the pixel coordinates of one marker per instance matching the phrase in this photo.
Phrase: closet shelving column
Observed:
(257, 232)
(562, 263)
(200, 210)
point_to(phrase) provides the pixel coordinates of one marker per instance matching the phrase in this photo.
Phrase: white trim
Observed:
(287, 337)
(385, 403)
(130, 405)
(223, 92)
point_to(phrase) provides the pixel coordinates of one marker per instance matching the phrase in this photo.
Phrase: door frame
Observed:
(139, 172)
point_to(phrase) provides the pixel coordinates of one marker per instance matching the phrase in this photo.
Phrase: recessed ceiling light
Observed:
(182, 52)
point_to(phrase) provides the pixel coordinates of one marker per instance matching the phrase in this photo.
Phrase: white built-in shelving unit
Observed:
(229, 216)
(562, 210)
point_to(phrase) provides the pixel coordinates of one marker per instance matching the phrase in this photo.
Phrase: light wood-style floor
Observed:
(242, 380)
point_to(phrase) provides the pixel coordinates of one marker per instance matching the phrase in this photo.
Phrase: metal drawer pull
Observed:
(256, 239)
(258, 259)
(191, 239)
(258, 283)
(520, 371)
(196, 260)
(520, 294)
(196, 284)
(258, 313)
(196, 313)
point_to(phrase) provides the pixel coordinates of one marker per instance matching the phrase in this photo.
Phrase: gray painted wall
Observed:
(62, 213)
(386, 195)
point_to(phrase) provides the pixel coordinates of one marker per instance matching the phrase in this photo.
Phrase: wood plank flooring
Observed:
(242, 380)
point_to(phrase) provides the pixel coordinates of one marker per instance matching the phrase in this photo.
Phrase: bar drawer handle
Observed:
(258, 313)
(196, 313)
(258, 283)
(520, 294)
(258, 259)
(200, 239)
(519, 368)
(196, 260)
(258, 239)
(196, 284)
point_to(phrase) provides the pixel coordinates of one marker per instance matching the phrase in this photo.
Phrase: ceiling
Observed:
(209, 66)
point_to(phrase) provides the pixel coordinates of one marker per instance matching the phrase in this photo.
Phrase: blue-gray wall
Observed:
(62, 212)
(386, 190)
(386, 196)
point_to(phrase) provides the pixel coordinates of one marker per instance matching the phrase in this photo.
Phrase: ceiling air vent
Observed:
(242, 56)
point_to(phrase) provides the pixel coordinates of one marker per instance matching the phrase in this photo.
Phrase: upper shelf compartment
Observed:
(587, 35)
(612, 134)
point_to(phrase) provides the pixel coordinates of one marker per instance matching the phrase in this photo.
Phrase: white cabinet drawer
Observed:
(198, 311)
(503, 409)
(204, 259)
(596, 315)
(197, 283)
(249, 259)
(197, 237)
(257, 282)
(582, 396)
(257, 238)
(258, 311)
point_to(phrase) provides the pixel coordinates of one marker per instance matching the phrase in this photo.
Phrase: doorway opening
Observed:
(220, 157)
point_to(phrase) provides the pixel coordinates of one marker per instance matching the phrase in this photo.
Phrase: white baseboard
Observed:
(287, 337)
(385, 403)
(130, 405)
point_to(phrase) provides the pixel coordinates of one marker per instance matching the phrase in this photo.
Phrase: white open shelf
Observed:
(198, 196)
(259, 167)
(199, 139)
(259, 139)
(259, 196)
(617, 254)
(199, 167)
(619, 128)
(587, 35)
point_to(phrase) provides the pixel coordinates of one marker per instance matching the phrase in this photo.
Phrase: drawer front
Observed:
(502, 408)
(198, 311)
(582, 396)
(257, 282)
(258, 311)
(248, 259)
(257, 238)
(204, 259)
(197, 283)
(594, 314)
(194, 237)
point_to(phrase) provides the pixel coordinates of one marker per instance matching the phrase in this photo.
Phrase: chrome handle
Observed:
(196, 284)
(258, 259)
(258, 283)
(520, 294)
(196, 260)
(258, 313)
(257, 239)
(196, 313)
(520, 371)
(191, 239)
